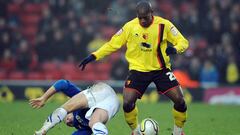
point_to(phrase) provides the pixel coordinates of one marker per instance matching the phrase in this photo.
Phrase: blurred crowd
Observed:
(36, 32)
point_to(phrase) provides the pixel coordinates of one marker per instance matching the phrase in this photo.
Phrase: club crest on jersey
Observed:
(145, 36)
(119, 32)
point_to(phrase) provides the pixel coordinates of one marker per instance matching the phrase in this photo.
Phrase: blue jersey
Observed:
(79, 120)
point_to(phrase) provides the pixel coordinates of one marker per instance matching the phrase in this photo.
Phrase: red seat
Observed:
(103, 67)
(53, 75)
(30, 18)
(103, 76)
(13, 8)
(73, 76)
(89, 76)
(35, 76)
(166, 6)
(68, 67)
(108, 31)
(49, 66)
(89, 68)
(29, 31)
(3, 75)
(17, 75)
(33, 8)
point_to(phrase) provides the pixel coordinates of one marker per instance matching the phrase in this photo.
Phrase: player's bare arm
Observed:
(40, 102)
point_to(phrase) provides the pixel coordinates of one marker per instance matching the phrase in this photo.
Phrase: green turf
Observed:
(19, 119)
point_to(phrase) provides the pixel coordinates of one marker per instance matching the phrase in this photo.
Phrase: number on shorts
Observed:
(171, 76)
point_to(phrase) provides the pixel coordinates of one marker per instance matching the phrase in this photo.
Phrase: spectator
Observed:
(3, 8)
(78, 49)
(61, 51)
(209, 75)
(5, 42)
(118, 13)
(194, 68)
(42, 48)
(232, 73)
(96, 43)
(7, 63)
(23, 56)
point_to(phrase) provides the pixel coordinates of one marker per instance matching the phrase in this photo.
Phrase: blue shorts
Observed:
(82, 132)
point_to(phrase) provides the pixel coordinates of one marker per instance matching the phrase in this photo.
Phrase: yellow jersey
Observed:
(145, 46)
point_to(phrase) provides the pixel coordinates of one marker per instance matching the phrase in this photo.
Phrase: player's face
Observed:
(145, 20)
(69, 120)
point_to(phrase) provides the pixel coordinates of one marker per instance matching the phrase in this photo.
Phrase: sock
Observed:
(179, 118)
(177, 130)
(56, 117)
(99, 129)
(132, 118)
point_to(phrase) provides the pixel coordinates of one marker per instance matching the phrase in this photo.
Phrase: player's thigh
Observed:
(98, 93)
(82, 132)
(136, 84)
(98, 115)
(76, 102)
(110, 105)
(165, 81)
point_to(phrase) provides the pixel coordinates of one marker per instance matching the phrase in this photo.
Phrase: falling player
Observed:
(87, 110)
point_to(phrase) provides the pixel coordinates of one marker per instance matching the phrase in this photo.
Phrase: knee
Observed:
(67, 108)
(91, 123)
(128, 105)
(180, 105)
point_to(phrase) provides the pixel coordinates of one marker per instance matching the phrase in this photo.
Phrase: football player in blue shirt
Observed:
(87, 110)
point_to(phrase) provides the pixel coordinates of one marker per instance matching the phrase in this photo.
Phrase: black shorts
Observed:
(163, 79)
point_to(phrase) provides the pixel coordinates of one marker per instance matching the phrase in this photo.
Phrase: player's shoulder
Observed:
(158, 19)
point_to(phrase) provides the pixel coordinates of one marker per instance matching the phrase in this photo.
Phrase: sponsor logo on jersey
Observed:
(146, 45)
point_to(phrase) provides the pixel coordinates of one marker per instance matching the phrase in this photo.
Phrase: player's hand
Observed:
(88, 59)
(37, 103)
(171, 50)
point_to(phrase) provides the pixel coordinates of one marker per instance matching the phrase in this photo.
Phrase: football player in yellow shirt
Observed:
(147, 53)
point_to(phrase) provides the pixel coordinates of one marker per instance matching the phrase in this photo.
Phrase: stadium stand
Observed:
(51, 27)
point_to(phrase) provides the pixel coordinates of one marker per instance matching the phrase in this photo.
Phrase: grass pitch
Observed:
(18, 118)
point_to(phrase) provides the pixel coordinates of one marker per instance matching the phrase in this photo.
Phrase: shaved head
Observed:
(144, 7)
(144, 13)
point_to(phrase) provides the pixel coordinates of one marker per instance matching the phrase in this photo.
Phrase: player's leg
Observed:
(179, 109)
(167, 84)
(104, 104)
(56, 117)
(130, 109)
(135, 86)
(76, 102)
(98, 120)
